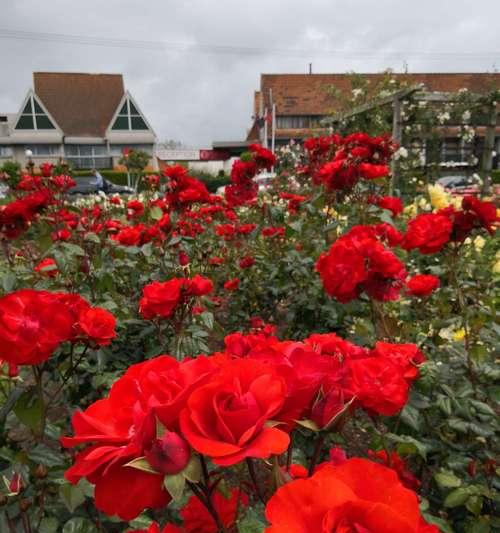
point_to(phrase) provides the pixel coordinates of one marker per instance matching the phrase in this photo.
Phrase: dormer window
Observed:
(33, 117)
(129, 118)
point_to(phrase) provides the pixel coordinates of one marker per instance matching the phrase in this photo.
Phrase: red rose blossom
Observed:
(356, 496)
(422, 284)
(226, 418)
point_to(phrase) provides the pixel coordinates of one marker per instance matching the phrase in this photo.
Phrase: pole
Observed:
(489, 145)
(261, 115)
(273, 129)
(265, 127)
(397, 137)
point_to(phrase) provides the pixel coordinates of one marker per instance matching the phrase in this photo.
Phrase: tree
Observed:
(135, 161)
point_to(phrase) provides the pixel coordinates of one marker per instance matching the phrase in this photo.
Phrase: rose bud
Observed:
(16, 483)
(41, 472)
(170, 454)
(183, 258)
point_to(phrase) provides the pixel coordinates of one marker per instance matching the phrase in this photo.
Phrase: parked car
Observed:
(460, 185)
(88, 185)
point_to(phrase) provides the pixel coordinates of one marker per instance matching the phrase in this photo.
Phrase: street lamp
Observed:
(29, 165)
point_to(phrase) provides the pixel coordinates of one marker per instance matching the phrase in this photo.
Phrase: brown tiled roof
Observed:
(306, 94)
(81, 104)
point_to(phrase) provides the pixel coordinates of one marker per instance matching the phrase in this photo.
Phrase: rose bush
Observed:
(311, 359)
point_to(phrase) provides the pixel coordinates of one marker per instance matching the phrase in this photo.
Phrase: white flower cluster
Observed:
(443, 117)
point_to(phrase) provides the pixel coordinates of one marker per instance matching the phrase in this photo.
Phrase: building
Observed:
(302, 102)
(86, 119)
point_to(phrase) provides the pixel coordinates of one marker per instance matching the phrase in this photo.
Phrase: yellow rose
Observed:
(438, 196)
(459, 335)
(479, 243)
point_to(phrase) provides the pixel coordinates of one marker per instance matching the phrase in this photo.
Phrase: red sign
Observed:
(214, 155)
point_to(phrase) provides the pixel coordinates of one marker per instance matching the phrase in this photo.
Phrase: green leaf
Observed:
(155, 213)
(420, 447)
(141, 464)
(474, 504)
(309, 424)
(448, 479)
(411, 417)
(175, 485)
(457, 497)
(79, 525)
(28, 410)
(192, 472)
(92, 237)
(44, 455)
(208, 319)
(9, 281)
(48, 525)
(251, 523)
(71, 495)
(73, 249)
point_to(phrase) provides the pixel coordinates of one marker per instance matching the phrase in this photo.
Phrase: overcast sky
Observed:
(197, 96)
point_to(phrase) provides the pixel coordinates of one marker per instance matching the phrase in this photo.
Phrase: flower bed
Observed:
(319, 357)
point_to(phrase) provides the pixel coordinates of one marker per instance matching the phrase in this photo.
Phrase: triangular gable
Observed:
(34, 116)
(128, 117)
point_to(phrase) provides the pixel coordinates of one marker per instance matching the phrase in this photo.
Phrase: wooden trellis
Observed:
(418, 93)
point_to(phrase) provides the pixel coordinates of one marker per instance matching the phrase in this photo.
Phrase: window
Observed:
(44, 150)
(298, 121)
(33, 117)
(88, 155)
(6, 151)
(129, 118)
(453, 150)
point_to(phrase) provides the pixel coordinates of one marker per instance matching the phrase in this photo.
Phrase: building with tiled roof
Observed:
(85, 119)
(303, 101)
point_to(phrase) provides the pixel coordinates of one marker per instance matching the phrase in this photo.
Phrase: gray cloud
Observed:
(198, 97)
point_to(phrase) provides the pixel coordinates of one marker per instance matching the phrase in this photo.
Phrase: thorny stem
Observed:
(68, 375)
(464, 312)
(38, 373)
(289, 453)
(317, 450)
(205, 499)
(253, 476)
(206, 475)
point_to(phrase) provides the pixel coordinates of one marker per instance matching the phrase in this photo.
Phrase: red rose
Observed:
(135, 208)
(160, 299)
(98, 325)
(486, 212)
(263, 157)
(198, 286)
(129, 236)
(232, 284)
(378, 384)
(46, 169)
(358, 262)
(32, 325)
(406, 356)
(422, 284)
(391, 203)
(428, 232)
(226, 418)
(356, 496)
(47, 267)
(121, 428)
(247, 261)
(61, 235)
